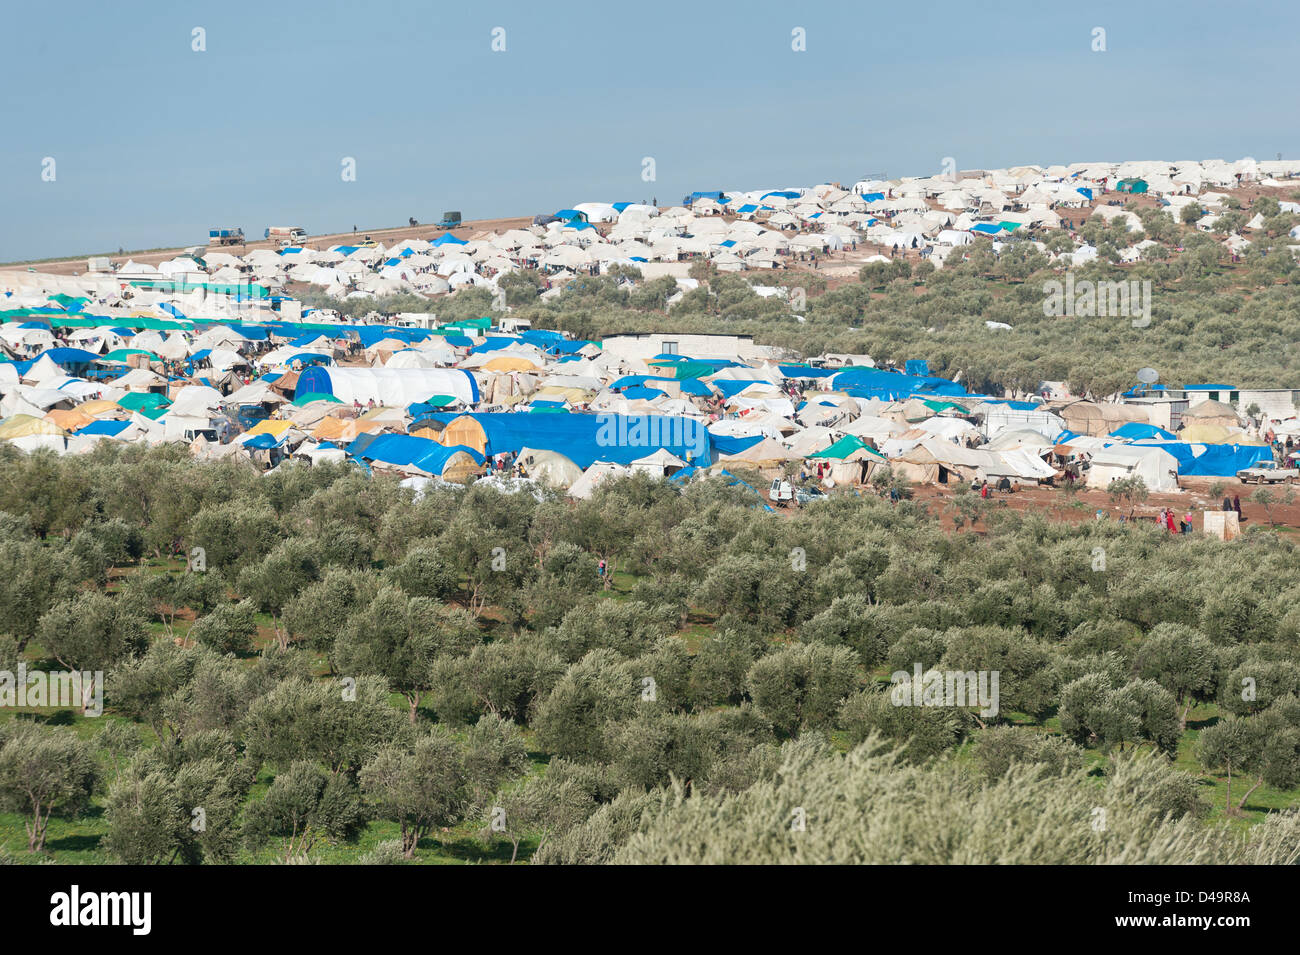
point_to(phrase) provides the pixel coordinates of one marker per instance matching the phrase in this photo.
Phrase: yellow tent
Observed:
(344, 430)
(25, 425)
(100, 406)
(464, 430)
(271, 426)
(1215, 434)
(72, 420)
(509, 363)
(460, 467)
(573, 396)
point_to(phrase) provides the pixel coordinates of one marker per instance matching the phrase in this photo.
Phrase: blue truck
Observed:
(225, 236)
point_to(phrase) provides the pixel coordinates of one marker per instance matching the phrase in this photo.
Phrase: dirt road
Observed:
(386, 236)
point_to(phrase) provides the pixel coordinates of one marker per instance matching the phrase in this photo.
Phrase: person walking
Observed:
(1236, 505)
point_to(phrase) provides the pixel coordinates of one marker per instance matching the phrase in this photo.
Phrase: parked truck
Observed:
(1267, 472)
(225, 236)
(285, 235)
(450, 220)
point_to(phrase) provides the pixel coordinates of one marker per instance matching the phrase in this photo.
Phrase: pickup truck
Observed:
(450, 220)
(1267, 472)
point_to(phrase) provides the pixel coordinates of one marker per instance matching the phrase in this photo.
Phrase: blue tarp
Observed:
(891, 386)
(1136, 431)
(109, 429)
(399, 449)
(587, 438)
(68, 356)
(1017, 405)
(734, 386)
(564, 347)
(641, 392)
(917, 366)
(724, 444)
(448, 239)
(807, 371)
(254, 333)
(495, 343)
(1212, 460)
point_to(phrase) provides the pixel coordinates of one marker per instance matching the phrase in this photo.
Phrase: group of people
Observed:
(506, 463)
(1166, 519)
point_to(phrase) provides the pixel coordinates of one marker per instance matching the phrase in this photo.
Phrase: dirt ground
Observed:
(1054, 503)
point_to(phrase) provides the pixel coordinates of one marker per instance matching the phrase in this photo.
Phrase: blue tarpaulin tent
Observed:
(495, 343)
(67, 357)
(587, 438)
(807, 371)
(892, 386)
(405, 449)
(109, 429)
(1212, 460)
(1136, 431)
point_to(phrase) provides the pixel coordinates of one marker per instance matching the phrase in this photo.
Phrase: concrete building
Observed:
(649, 344)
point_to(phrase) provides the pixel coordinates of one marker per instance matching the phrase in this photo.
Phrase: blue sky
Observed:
(154, 142)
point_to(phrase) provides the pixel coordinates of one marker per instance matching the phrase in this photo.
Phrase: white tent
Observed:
(1156, 467)
(586, 485)
(394, 387)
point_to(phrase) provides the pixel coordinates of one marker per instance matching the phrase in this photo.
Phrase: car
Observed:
(809, 495)
(1267, 472)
